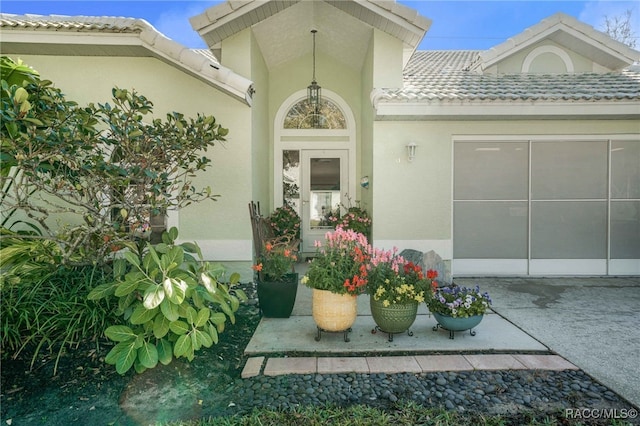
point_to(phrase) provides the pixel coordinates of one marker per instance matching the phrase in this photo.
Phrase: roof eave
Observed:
(619, 55)
(148, 39)
(232, 15)
(478, 110)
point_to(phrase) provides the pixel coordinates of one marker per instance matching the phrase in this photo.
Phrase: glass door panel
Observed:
(324, 183)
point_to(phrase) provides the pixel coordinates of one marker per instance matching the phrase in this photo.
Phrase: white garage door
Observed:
(546, 206)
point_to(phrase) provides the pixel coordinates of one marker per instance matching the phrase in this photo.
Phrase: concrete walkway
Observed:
(591, 324)
(297, 334)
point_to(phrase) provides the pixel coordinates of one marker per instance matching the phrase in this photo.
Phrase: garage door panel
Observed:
(568, 230)
(490, 230)
(568, 170)
(625, 169)
(491, 171)
(625, 230)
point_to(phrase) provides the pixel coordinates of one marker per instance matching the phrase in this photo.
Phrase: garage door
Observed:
(547, 206)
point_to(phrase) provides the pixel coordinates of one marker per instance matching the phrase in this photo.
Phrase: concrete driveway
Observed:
(592, 322)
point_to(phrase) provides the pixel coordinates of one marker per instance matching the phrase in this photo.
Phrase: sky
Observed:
(462, 25)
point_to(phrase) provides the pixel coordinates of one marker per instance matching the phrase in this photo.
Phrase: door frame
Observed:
(313, 139)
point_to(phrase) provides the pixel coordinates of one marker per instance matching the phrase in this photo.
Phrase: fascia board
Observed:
(392, 110)
(59, 37)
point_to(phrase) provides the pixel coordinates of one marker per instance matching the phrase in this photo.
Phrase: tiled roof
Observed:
(207, 54)
(197, 62)
(444, 76)
(73, 23)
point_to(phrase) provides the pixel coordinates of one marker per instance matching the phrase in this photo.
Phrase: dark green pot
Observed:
(276, 298)
(395, 318)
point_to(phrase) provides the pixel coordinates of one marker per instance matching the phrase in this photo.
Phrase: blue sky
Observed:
(476, 24)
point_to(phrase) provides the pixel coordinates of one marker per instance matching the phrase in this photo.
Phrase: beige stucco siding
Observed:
(412, 201)
(545, 62)
(90, 79)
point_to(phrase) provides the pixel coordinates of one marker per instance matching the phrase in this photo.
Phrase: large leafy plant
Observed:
(105, 169)
(173, 304)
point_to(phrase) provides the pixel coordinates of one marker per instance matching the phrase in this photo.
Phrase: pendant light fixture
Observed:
(313, 90)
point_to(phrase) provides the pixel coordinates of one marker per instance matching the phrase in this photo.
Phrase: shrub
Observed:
(50, 310)
(284, 221)
(173, 304)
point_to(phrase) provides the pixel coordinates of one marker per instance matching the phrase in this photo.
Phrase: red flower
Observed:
(431, 274)
(257, 267)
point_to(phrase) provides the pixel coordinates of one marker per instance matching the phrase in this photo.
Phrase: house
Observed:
(524, 158)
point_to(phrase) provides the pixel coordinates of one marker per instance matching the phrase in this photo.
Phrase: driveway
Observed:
(592, 322)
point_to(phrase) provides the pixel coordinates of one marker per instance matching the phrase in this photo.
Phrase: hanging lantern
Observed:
(314, 89)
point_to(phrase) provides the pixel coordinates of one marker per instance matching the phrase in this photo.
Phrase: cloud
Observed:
(594, 13)
(174, 23)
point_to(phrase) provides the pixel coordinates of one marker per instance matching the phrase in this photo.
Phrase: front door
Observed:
(324, 185)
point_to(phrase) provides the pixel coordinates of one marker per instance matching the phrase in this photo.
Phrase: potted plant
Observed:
(355, 218)
(458, 308)
(396, 287)
(277, 281)
(337, 275)
(285, 221)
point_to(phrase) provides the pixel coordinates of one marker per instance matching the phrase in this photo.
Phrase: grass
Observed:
(405, 414)
(53, 313)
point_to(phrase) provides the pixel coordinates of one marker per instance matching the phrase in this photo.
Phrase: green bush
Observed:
(284, 221)
(49, 310)
(174, 305)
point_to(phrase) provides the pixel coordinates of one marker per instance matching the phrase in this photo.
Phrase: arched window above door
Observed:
(302, 116)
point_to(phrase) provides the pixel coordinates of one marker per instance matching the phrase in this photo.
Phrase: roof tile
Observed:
(445, 76)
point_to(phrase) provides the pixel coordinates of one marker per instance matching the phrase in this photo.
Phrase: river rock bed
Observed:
(492, 392)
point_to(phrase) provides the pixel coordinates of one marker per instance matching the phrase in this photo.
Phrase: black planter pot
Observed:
(276, 298)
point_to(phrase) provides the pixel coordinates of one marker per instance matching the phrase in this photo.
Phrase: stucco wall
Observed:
(545, 62)
(214, 225)
(365, 154)
(412, 201)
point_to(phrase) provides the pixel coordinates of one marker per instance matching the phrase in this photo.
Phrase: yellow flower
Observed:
(305, 279)
(385, 303)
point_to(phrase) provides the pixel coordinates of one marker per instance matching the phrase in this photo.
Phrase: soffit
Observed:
(282, 28)
(286, 36)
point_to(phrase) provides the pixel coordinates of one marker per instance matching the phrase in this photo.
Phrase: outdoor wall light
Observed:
(411, 151)
(364, 182)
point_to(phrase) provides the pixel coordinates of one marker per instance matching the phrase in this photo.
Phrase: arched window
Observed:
(302, 116)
